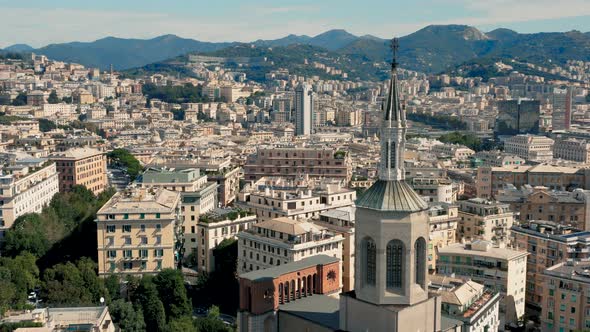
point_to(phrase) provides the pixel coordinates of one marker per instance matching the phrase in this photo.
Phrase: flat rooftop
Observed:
(321, 309)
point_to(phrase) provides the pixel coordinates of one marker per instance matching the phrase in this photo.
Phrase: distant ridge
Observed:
(433, 49)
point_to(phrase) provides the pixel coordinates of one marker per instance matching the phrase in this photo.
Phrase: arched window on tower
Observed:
(395, 263)
(370, 260)
(420, 252)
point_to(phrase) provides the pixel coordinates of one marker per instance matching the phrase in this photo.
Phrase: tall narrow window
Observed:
(395, 261)
(370, 259)
(392, 156)
(420, 250)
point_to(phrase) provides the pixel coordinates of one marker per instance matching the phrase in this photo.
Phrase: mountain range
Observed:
(432, 49)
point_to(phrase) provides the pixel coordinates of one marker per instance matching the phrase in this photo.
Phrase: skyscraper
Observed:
(562, 109)
(391, 239)
(303, 109)
(519, 116)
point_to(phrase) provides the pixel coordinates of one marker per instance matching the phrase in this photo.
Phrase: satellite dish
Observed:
(102, 300)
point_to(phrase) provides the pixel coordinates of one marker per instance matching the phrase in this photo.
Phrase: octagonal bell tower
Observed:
(391, 220)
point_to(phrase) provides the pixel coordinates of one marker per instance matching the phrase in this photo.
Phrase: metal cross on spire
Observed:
(394, 49)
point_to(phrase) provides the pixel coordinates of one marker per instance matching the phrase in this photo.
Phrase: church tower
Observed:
(391, 220)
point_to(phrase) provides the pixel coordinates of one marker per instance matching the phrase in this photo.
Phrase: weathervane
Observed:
(394, 49)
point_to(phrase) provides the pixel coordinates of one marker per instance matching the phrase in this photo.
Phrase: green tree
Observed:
(27, 234)
(153, 309)
(113, 287)
(53, 99)
(7, 295)
(125, 159)
(211, 322)
(170, 285)
(469, 140)
(69, 284)
(46, 125)
(20, 100)
(183, 324)
(127, 317)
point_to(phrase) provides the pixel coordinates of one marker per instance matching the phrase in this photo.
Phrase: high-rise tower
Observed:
(303, 109)
(391, 233)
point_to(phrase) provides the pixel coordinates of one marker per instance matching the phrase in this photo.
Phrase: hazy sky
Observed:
(40, 22)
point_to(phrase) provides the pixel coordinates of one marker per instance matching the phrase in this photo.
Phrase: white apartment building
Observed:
(198, 196)
(434, 189)
(485, 219)
(455, 151)
(272, 198)
(530, 147)
(572, 149)
(51, 110)
(280, 241)
(214, 227)
(500, 269)
(25, 189)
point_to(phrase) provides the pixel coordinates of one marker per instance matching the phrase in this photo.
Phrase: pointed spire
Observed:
(393, 110)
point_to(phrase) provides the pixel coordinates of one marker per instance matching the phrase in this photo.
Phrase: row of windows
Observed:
(142, 253)
(143, 240)
(126, 216)
(127, 228)
(130, 265)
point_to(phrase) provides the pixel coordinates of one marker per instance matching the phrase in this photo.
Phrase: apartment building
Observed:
(442, 222)
(139, 232)
(484, 219)
(216, 226)
(571, 208)
(341, 221)
(500, 269)
(434, 189)
(497, 159)
(572, 149)
(530, 147)
(454, 151)
(548, 243)
(26, 189)
(81, 166)
(476, 307)
(198, 196)
(280, 241)
(296, 162)
(492, 179)
(273, 197)
(566, 305)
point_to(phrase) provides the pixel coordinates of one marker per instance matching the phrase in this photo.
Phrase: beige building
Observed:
(530, 147)
(198, 196)
(548, 243)
(280, 241)
(25, 189)
(434, 189)
(214, 227)
(568, 208)
(296, 162)
(469, 302)
(566, 294)
(484, 219)
(442, 221)
(272, 198)
(572, 149)
(81, 166)
(341, 221)
(502, 270)
(139, 232)
(454, 151)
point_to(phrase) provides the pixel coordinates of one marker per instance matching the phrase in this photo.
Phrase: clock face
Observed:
(331, 275)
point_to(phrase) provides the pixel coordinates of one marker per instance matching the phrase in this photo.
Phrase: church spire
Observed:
(393, 128)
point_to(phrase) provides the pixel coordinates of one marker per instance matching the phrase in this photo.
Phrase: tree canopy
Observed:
(123, 158)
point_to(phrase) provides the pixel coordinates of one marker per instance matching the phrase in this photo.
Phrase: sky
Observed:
(42, 22)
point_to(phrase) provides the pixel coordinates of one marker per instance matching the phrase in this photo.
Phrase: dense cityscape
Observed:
(289, 186)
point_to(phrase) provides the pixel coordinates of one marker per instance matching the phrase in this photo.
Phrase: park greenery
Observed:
(187, 93)
(124, 159)
(444, 122)
(469, 140)
(49, 251)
